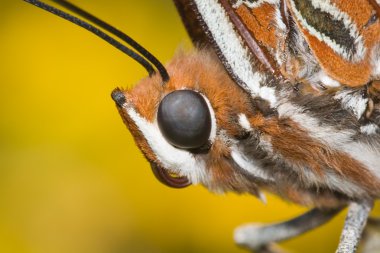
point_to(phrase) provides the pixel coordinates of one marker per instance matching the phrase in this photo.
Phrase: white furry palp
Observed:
(178, 160)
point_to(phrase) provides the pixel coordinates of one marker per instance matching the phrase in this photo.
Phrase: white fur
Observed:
(366, 154)
(178, 160)
(233, 48)
(376, 67)
(321, 78)
(255, 4)
(353, 102)
(327, 6)
(327, 134)
(279, 21)
(330, 179)
(335, 182)
(281, 33)
(369, 129)
(249, 165)
(375, 60)
(269, 94)
(245, 163)
(244, 123)
(340, 140)
(326, 80)
(213, 120)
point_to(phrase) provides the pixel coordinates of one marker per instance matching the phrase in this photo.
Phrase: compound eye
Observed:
(184, 119)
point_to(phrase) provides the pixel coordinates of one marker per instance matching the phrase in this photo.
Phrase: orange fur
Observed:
(308, 152)
(187, 70)
(202, 71)
(223, 174)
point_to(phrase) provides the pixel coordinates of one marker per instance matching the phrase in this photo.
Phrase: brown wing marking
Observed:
(249, 29)
(351, 73)
(260, 22)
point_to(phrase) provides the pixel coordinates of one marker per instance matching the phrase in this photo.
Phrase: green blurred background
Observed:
(71, 178)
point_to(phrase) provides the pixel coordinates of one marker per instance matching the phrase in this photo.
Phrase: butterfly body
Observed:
(296, 150)
(294, 128)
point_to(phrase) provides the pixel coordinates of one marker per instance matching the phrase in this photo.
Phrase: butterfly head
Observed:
(187, 118)
(172, 122)
(184, 126)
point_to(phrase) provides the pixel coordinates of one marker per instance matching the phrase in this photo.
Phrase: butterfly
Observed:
(277, 95)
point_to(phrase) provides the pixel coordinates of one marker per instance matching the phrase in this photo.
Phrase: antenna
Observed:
(147, 65)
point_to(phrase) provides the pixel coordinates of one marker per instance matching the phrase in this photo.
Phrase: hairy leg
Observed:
(260, 238)
(354, 224)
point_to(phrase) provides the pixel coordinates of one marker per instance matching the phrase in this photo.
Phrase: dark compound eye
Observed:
(184, 119)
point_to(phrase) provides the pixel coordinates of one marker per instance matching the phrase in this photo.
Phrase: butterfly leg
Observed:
(260, 238)
(354, 224)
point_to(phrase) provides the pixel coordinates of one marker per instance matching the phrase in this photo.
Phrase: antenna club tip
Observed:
(118, 96)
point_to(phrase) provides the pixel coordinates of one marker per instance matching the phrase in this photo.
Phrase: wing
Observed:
(192, 22)
(255, 27)
(321, 43)
(244, 56)
(342, 35)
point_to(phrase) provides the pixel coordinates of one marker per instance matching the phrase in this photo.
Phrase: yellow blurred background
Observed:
(71, 178)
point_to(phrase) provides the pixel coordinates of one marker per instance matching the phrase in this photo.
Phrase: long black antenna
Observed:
(102, 35)
(84, 14)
